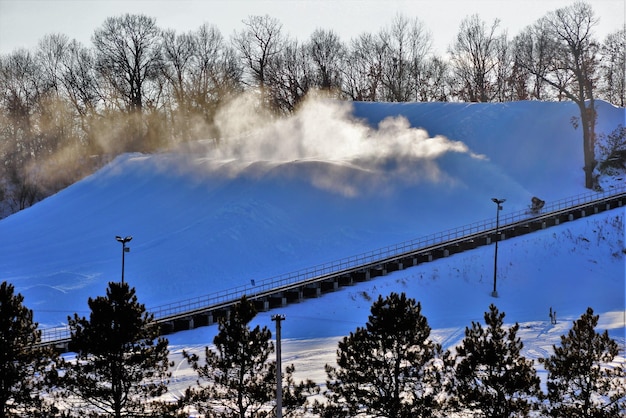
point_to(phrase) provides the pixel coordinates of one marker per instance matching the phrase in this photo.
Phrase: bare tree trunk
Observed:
(570, 71)
(588, 124)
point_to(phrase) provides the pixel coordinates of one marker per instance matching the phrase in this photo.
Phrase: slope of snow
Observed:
(335, 180)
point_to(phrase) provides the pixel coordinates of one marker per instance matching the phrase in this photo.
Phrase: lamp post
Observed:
(279, 378)
(125, 249)
(498, 203)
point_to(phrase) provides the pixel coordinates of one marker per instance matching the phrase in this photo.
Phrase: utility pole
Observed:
(125, 249)
(498, 203)
(279, 377)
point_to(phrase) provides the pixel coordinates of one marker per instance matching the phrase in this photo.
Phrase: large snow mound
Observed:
(334, 180)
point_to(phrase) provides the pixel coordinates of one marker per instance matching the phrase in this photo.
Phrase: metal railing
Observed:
(350, 263)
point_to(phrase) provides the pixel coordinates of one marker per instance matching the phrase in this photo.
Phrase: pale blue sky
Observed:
(24, 22)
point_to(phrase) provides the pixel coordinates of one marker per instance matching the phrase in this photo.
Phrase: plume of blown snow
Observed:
(326, 131)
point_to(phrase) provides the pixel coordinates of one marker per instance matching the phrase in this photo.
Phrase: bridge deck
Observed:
(312, 282)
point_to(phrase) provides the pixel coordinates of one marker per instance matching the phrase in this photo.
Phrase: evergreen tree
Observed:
(387, 368)
(492, 377)
(295, 395)
(240, 378)
(581, 383)
(237, 378)
(23, 365)
(121, 363)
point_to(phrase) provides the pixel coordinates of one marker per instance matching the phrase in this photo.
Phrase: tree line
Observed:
(67, 108)
(390, 367)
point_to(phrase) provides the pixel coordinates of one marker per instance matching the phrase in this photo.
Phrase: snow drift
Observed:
(334, 180)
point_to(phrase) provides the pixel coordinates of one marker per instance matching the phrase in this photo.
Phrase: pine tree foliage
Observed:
(387, 368)
(492, 377)
(581, 381)
(296, 395)
(121, 363)
(23, 365)
(236, 379)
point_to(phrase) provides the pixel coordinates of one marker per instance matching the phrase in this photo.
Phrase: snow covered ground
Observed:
(335, 180)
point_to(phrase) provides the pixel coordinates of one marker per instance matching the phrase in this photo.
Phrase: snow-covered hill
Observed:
(335, 180)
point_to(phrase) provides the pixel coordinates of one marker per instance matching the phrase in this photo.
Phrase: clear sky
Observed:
(24, 22)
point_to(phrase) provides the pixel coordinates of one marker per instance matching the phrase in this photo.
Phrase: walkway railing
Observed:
(260, 286)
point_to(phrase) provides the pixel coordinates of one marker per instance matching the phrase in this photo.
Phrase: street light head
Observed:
(497, 201)
(123, 240)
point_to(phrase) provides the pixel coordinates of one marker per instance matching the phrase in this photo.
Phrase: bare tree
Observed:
(289, 77)
(178, 52)
(79, 79)
(559, 50)
(201, 70)
(50, 54)
(362, 73)
(215, 71)
(613, 68)
(572, 71)
(474, 59)
(406, 44)
(434, 83)
(21, 89)
(128, 56)
(55, 114)
(258, 44)
(533, 49)
(327, 53)
(504, 81)
(128, 63)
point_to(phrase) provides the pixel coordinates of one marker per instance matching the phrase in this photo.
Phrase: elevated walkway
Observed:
(312, 282)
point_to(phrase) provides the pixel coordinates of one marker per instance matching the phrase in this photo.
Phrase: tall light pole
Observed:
(125, 249)
(279, 376)
(498, 203)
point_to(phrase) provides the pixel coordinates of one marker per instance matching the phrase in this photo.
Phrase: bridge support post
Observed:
(313, 290)
(377, 272)
(262, 305)
(395, 266)
(294, 295)
(362, 276)
(183, 324)
(278, 301)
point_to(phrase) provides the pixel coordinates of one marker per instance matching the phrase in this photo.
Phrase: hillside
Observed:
(335, 180)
